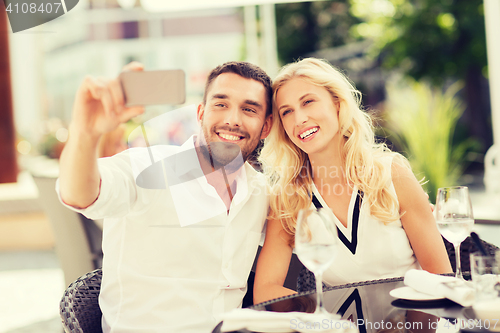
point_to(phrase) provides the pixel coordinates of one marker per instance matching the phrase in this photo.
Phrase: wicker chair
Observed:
(79, 307)
(466, 248)
(307, 282)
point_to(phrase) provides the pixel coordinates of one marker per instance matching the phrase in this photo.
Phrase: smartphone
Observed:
(154, 87)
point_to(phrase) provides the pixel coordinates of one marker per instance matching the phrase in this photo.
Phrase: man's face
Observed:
(233, 118)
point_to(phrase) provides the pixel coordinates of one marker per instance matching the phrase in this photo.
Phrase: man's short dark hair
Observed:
(246, 70)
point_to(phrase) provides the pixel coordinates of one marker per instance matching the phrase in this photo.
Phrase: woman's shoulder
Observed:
(400, 167)
(404, 181)
(394, 171)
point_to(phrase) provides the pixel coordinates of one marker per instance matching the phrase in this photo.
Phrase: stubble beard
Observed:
(224, 154)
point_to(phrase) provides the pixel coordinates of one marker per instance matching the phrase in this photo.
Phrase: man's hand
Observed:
(99, 108)
(100, 105)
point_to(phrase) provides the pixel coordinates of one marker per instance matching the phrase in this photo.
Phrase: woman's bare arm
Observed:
(273, 263)
(419, 222)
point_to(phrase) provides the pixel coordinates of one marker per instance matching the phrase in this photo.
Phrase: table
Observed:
(369, 305)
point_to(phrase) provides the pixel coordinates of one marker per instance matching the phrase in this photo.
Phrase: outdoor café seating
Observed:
(80, 312)
(77, 239)
(306, 281)
(79, 307)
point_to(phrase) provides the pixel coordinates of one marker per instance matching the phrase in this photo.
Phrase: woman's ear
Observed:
(337, 104)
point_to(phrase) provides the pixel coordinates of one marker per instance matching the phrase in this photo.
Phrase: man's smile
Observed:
(229, 136)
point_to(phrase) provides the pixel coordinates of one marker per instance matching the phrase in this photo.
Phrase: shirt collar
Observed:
(187, 162)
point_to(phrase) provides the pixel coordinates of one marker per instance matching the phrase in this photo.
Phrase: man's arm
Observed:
(99, 108)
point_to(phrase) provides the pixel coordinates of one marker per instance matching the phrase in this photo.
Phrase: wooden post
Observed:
(8, 163)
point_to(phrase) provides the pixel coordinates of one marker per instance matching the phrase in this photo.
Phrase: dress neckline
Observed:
(348, 235)
(346, 230)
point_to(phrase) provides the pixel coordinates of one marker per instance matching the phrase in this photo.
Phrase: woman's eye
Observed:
(308, 101)
(285, 112)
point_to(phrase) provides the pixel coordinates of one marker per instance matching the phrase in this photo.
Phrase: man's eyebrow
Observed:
(219, 96)
(247, 101)
(254, 103)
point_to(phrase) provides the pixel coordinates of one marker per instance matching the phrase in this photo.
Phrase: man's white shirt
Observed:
(174, 259)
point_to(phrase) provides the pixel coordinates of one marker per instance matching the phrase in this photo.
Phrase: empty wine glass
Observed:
(316, 245)
(454, 217)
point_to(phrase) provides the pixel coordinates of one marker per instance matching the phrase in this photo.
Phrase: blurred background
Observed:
(422, 66)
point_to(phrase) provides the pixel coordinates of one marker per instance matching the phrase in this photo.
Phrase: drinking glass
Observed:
(485, 270)
(316, 245)
(453, 212)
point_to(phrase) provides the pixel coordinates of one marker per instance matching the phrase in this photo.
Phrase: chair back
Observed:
(466, 248)
(79, 307)
(72, 245)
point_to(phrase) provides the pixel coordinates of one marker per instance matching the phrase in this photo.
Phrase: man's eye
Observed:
(219, 105)
(249, 110)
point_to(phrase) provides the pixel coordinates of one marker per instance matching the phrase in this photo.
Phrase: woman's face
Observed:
(309, 115)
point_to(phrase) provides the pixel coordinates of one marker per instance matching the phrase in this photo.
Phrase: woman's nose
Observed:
(300, 117)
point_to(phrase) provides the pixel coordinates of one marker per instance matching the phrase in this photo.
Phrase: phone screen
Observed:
(154, 87)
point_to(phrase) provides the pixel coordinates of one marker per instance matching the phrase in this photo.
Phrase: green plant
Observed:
(422, 122)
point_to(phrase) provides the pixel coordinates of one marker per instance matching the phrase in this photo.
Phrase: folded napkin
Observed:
(267, 321)
(455, 289)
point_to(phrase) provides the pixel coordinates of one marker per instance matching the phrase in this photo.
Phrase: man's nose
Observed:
(233, 117)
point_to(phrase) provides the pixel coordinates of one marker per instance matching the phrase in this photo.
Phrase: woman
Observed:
(321, 152)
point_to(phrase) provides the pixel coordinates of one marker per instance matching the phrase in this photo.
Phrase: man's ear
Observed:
(199, 113)
(266, 129)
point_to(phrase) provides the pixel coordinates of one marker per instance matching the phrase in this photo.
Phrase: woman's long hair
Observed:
(365, 166)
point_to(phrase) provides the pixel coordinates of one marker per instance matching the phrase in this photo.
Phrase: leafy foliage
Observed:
(422, 121)
(310, 26)
(436, 39)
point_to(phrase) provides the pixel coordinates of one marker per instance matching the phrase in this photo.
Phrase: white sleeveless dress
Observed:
(368, 249)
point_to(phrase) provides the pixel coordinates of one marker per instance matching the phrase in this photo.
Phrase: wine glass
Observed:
(454, 217)
(316, 245)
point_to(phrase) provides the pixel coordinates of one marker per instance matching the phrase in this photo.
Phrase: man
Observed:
(182, 225)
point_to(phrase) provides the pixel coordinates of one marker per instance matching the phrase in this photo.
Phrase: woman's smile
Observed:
(308, 133)
(309, 115)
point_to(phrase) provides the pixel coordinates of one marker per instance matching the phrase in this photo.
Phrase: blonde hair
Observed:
(287, 166)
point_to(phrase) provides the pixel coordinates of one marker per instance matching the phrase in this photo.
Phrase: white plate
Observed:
(411, 294)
